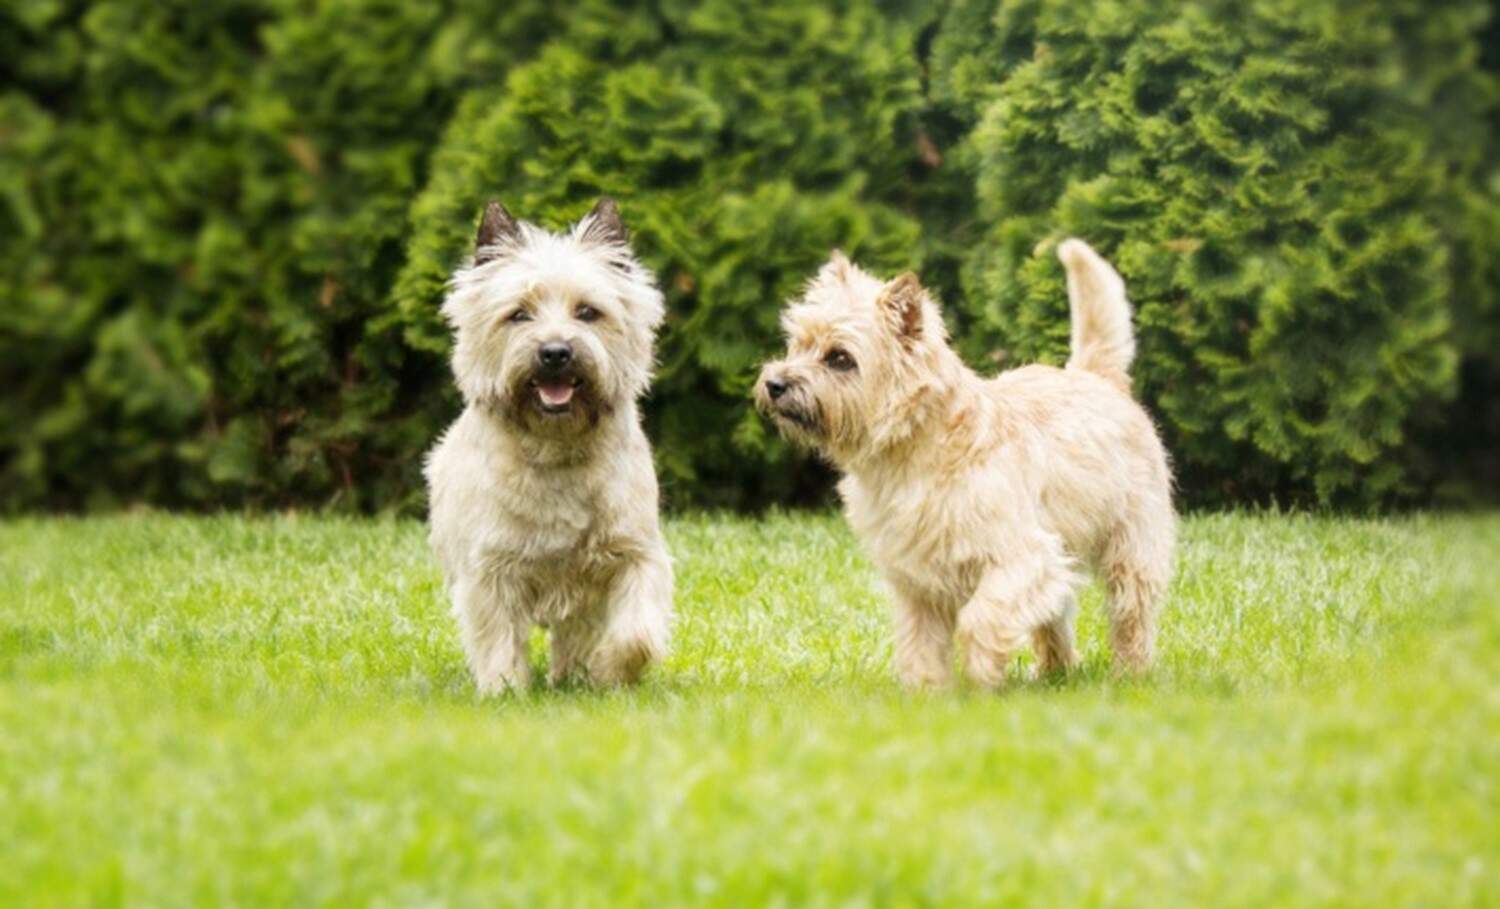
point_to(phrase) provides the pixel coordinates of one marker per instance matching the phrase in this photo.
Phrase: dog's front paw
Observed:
(984, 663)
(1053, 664)
(621, 661)
(510, 681)
(637, 633)
(985, 669)
(925, 679)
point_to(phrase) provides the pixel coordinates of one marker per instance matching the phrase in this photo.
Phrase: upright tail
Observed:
(1102, 340)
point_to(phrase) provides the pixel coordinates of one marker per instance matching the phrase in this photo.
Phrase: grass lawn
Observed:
(274, 711)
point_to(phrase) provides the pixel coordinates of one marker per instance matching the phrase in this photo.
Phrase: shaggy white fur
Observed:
(978, 498)
(543, 494)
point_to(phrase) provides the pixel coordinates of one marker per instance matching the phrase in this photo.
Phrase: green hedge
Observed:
(226, 225)
(1291, 190)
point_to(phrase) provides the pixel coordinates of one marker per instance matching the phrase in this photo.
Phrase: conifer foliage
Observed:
(225, 227)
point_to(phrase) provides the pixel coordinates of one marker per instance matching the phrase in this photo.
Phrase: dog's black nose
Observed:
(555, 355)
(775, 388)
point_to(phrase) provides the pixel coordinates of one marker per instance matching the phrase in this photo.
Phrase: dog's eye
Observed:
(518, 316)
(838, 359)
(586, 313)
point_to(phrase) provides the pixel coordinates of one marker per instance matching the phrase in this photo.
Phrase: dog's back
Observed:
(1088, 447)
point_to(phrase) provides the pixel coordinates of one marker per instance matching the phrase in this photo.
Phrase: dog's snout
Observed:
(775, 387)
(555, 355)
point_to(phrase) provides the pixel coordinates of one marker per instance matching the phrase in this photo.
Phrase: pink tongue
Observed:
(555, 394)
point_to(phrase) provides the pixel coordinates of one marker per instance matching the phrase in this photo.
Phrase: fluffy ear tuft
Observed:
(497, 227)
(901, 301)
(836, 270)
(602, 224)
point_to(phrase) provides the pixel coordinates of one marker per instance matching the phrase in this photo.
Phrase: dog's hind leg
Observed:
(638, 615)
(1053, 642)
(1133, 600)
(1137, 567)
(1031, 589)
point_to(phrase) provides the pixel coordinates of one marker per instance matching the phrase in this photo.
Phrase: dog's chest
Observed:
(555, 546)
(917, 533)
(559, 522)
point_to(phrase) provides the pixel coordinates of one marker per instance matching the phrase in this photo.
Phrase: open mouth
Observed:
(555, 395)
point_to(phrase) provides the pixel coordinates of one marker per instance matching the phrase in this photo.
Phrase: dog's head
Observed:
(553, 331)
(862, 357)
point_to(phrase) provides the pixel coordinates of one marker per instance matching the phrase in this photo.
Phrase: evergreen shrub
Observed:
(225, 227)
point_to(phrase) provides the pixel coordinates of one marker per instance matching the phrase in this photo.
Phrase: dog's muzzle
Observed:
(778, 399)
(555, 378)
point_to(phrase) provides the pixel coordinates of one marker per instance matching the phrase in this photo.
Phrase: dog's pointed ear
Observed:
(497, 227)
(602, 224)
(836, 269)
(901, 301)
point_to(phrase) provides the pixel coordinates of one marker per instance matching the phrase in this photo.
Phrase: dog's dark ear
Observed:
(496, 228)
(901, 302)
(603, 224)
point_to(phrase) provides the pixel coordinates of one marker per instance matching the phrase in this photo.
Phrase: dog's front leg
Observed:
(638, 614)
(1012, 601)
(495, 634)
(573, 641)
(924, 641)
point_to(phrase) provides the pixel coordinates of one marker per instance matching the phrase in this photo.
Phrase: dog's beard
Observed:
(799, 421)
(823, 428)
(567, 403)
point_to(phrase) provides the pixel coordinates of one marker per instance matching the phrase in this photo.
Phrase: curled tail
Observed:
(1102, 343)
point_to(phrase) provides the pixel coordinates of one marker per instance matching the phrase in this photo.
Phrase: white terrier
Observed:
(543, 493)
(976, 497)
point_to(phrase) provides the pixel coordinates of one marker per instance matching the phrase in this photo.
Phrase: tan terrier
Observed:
(543, 493)
(978, 497)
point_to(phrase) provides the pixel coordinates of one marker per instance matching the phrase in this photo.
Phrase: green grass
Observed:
(275, 711)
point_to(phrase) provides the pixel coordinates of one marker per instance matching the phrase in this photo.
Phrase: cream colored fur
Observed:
(542, 519)
(980, 499)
